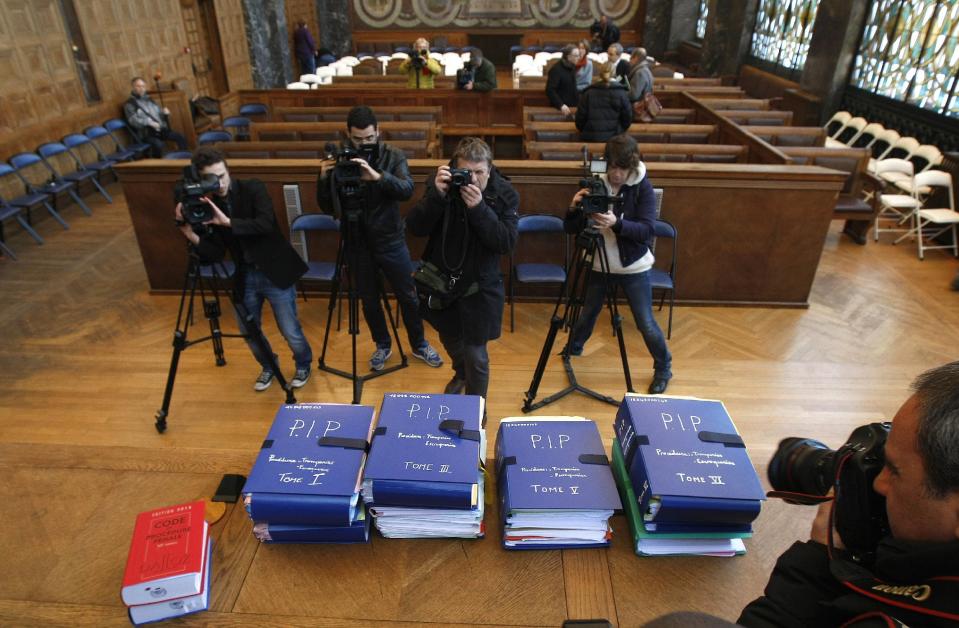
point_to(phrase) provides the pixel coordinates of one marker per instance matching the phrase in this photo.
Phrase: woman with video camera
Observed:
(626, 232)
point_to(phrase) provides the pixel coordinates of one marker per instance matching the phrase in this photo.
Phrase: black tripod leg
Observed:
(617, 321)
(554, 324)
(211, 309)
(179, 341)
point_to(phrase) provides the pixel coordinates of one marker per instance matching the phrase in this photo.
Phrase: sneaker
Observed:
(429, 355)
(300, 378)
(263, 381)
(379, 358)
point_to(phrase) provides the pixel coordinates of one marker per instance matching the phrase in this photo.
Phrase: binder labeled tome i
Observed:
(305, 483)
(555, 485)
(424, 477)
(688, 470)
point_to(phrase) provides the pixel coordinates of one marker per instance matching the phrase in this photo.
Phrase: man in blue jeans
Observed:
(380, 244)
(267, 265)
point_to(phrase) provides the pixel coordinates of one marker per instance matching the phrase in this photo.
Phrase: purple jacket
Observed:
(303, 44)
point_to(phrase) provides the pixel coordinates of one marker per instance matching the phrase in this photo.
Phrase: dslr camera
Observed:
(190, 191)
(347, 172)
(418, 59)
(464, 76)
(460, 178)
(803, 470)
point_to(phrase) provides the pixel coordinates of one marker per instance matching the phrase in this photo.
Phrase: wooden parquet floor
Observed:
(84, 358)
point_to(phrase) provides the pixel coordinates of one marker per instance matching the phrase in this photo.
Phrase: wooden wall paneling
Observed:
(236, 52)
(750, 234)
(199, 52)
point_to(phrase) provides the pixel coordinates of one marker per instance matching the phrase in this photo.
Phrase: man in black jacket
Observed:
(469, 227)
(604, 33)
(909, 581)
(561, 80)
(381, 243)
(604, 109)
(267, 265)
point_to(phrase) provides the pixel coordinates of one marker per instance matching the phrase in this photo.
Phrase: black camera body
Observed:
(460, 177)
(464, 77)
(597, 200)
(807, 467)
(347, 172)
(190, 191)
(418, 59)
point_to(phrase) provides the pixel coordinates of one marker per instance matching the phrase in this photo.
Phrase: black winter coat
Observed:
(603, 111)
(490, 232)
(561, 85)
(253, 235)
(382, 222)
(803, 592)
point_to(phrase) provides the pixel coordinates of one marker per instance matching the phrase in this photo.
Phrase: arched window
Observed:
(701, 20)
(783, 32)
(910, 52)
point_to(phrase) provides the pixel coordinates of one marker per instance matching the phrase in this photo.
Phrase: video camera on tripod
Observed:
(190, 192)
(598, 200)
(347, 179)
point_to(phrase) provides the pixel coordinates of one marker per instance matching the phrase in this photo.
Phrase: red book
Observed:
(167, 555)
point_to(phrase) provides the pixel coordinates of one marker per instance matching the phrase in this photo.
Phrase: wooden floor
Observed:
(85, 354)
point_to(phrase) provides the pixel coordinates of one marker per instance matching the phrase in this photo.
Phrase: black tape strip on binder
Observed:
(267, 444)
(594, 459)
(508, 460)
(345, 443)
(380, 431)
(641, 439)
(729, 440)
(455, 426)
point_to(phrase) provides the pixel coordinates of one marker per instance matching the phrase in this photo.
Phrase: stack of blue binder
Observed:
(687, 482)
(424, 476)
(554, 482)
(305, 483)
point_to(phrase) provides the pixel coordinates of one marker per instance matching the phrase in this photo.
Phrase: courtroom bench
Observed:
(551, 114)
(695, 153)
(787, 95)
(811, 136)
(648, 133)
(766, 118)
(336, 131)
(853, 162)
(403, 113)
(413, 149)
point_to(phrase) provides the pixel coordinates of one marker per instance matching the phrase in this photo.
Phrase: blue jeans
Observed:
(258, 288)
(396, 265)
(307, 64)
(640, 296)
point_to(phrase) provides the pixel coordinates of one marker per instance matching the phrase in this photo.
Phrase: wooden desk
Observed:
(748, 234)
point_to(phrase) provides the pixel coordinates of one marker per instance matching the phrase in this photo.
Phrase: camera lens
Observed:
(802, 465)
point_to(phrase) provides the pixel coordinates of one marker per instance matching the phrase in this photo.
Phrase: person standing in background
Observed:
(584, 67)
(305, 48)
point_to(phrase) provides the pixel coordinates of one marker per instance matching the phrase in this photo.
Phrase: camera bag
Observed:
(439, 290)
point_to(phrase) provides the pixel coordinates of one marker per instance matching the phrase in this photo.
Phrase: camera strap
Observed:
(933, 597)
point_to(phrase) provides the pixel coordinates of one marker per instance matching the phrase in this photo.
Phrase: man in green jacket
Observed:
(484, 72)
(420, 68)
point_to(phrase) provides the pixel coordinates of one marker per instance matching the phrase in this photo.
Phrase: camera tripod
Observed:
(350, 228)
(589, 247)
(209, 288)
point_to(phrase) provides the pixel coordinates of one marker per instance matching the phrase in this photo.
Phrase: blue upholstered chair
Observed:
(124, 137)
(64, 168)
(212, 137)
(239, 126)
(8, 211)
(88, 157)
(665, 280)
(108, 146)
(324, 271)
(41, 187)
(537, 273)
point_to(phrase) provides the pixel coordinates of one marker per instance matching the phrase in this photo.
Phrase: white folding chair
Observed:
(851, 130)
(298, 85)
(309, 78)
(931, 222)
(837, 122)
(897, 208)
(326, 73)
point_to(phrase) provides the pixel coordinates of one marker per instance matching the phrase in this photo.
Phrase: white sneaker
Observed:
(263, 381)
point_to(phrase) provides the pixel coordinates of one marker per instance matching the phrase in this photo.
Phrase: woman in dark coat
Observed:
(604, 109)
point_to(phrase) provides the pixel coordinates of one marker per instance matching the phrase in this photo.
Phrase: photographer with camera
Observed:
(383, 181)
(421, 67)
(240, 219)
(894, 563)
(626, 232)
(479, 75)
(469, 214)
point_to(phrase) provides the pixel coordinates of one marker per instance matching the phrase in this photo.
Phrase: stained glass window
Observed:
(701, 20)
(783, 31)
(910, 52)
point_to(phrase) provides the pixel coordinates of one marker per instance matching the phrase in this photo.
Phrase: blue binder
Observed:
(553, 465)
(309, 468)
(357, 532)
(687, 462)
(427, 452)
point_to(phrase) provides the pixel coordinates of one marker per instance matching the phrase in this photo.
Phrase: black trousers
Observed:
(470, 363)
(157, 139)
